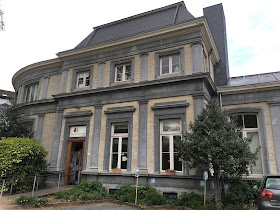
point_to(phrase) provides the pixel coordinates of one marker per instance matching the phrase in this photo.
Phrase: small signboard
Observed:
(153, 180)
(137, 173)
(205, 175)
(78, 131)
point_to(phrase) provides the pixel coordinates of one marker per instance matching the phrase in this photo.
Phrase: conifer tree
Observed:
(215, 142)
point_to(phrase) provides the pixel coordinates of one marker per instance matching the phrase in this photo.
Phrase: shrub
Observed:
(84, 191)
(20, 157)
(192, 200)
(36, 202)
(208, 206)
(147, 196)
(241, 192)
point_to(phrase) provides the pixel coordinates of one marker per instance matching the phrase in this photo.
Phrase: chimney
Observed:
(217, 23)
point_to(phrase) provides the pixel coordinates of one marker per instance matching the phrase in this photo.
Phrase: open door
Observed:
(74, 161)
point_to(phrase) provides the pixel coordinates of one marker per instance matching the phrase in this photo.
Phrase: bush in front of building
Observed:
(21, 158)
(84, 191)
(36, 202)
(146, 196)
(241, 192)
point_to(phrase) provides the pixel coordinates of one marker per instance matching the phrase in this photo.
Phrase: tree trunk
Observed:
(218, 200)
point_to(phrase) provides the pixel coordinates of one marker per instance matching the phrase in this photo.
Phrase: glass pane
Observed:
(177, 163)
(119, 73)
(124, 161)
(273, 183)
(124, 144)
(175, 59)
(250, 121)
(27, 94)
(114, 161)
(80, 82)
(175, 142)
(32, 93)
(165, 61)
(253, 146)
(121, 128)
(128, 72)
(171, 126)
(237, 119)
(165, 70)
(176, 68)
(165, 161)
(165, 144)
(87, 79)
(115, 144)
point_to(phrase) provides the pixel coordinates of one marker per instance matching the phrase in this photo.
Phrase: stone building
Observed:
(121, 96)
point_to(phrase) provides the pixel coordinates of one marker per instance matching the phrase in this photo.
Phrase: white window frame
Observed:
(170, 64)
(120, 136)
(28, 92)
(245, 132)
(123, 72)
(171, 135)
(84, 73)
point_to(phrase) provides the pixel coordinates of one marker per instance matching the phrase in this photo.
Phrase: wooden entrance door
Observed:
(74, 160)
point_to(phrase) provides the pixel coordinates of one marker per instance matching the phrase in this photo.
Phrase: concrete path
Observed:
(94, 206)
(11, 198)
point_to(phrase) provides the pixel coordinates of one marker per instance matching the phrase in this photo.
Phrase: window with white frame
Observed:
(170, 64)
(170, 133)
(123, 72)
(31, 92)
(83, 79)
(250, 125)
(119, 145)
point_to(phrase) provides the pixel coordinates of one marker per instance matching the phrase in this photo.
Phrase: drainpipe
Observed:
(221, 101)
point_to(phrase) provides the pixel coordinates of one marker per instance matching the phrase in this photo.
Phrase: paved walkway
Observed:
(11, 198)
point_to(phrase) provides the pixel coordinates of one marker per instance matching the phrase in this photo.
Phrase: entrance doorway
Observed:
(74, 161)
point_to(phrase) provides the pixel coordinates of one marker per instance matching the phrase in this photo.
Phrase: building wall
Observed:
(54, 85)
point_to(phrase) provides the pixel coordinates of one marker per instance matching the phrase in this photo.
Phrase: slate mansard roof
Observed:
(255, 79)
(148, 21)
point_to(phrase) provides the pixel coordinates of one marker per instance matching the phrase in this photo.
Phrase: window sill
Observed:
(122, 82)
(169, 75)
(80, 89)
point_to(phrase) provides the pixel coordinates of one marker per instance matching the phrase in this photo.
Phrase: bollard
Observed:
(3, 184)
(59, 174)
(79, 172)
(32, 195)
(12, 182)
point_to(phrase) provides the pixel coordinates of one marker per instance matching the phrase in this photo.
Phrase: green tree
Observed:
(2, 25)
(20, 157)
(215, 142)
(13, 123)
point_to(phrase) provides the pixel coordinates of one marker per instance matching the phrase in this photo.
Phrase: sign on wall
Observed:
(78, 131)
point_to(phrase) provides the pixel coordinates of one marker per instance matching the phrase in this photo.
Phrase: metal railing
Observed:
(38, 180)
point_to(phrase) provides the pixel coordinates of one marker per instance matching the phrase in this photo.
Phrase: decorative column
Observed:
(275, 120)
(197, 58)
(40, 127)
(101, 66)
(142, 136)
(45, 87)
(56, 139)
(96, 138)
(63, 82)
(144, 67)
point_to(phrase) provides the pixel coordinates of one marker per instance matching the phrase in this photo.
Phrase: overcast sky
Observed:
(38, 30)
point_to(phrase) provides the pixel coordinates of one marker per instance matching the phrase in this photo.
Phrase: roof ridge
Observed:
(141, 14)
(256, 74)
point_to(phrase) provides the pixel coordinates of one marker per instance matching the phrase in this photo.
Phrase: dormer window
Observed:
(31, 93)
(170, 64)
(83, 79)
(123, 72)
